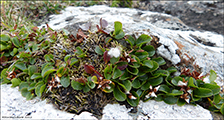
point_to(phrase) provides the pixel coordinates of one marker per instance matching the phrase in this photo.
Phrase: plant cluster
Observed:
(42, 60)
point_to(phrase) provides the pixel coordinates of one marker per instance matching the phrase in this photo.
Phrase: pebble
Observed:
(156, 107)
(162, 110)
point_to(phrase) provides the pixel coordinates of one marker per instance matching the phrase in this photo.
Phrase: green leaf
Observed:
(202, 92)
(132, 70)
(143, 39)
(217, 99)
(16, 42)
(215, 88)
(73, 61)
(94, 79)
(136, 83)
(145, 85)
(194, 98)
(172, 69)
(106, 90)
(24, 92)
(170, 100)
(119, 95)
(148, 63)
(143, 77)
(32, 61)
(29, 96)
(133, 102)
(160, 61)
(76, 85)
(32, 86)
(32, 69)
(175, 92)
(191, 83)
(176, 79)
(113, 60)
(222, 109)
(146, 70)
(159, 97)
(168, 79)
(99, 51)
(122, 65)
(36, 76)
(61, 71)
(181, 102)
(164, 88)
(79, 51)
(161, 73)
(15, 82)
(142, 55)
(23, 85)
(127, 84)
(118, 32)
(212, 76)
(65, 81)
(107, 40)
(120, 35)
(47, 70)
(15, 50)
(156, 81)
(130, 40)
(125, 75)
(3, 76)
(4, 37)
(150, 49)
(48, 57)
(107, 72)
(42, 88)
(67, 57)
(86, 88)
(21, 66)
(39, 89)
(3, 47)
(116, 73)
(90, 83)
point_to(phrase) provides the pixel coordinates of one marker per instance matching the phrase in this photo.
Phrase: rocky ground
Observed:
(206, 15)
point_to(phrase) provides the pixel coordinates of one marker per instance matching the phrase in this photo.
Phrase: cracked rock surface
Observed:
(206, 48)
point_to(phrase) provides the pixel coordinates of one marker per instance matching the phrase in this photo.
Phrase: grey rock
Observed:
(205, 47)
(115, 111)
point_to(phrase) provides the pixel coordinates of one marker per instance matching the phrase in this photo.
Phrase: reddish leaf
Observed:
(3, 59)
(35, 29)
(122, 67)
(51, 32)
(103, 23)
(86, 27)
(103, 31)
(140, 51)
(80, 34)
(15, 27)
(89, 69)
(72, 38)
(81, 80)
(106, 57)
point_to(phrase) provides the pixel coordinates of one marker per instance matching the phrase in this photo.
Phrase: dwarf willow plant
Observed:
(128, 68)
